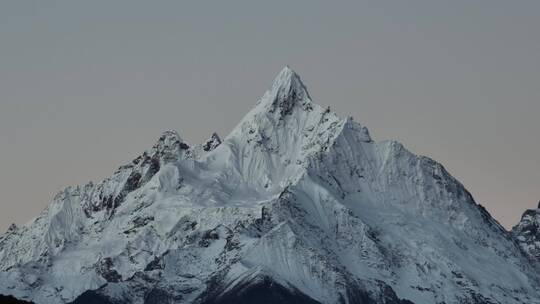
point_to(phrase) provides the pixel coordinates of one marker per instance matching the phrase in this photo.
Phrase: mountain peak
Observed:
(296, 204)
(170, 145)
(170, 135)
(288, 84)
(287, 90)
(285, 76)
(12, 227)
(212, 142)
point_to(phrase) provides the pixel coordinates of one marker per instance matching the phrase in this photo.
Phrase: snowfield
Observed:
(296, 205)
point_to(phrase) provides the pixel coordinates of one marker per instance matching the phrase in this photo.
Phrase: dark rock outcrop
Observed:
(12, 300)
(527, 233)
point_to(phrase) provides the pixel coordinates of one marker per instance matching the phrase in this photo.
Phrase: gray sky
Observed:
(85, 86)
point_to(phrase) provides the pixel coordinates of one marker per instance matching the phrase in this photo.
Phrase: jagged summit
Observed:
(527, 232)
(286, 91)
(287, 83)
(169, 146)
(212, 142)
(296, 205)
(12, 227)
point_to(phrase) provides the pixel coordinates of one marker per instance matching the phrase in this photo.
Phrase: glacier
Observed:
(295, 205)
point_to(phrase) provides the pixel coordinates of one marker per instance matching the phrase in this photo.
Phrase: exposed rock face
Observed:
(527, 233)
(295, 205)
(212, 143)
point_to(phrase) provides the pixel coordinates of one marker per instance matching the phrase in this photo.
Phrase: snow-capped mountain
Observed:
(295, 205)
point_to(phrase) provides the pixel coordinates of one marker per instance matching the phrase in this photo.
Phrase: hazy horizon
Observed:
(86, 87)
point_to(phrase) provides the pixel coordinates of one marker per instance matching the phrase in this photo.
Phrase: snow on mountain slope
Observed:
(295, 205)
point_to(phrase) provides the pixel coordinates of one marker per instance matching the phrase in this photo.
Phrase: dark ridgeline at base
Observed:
(12, 300)
(264, 291)
(259, 291)
(91, 297)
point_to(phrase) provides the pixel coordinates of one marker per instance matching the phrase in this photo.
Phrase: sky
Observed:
(86, 86)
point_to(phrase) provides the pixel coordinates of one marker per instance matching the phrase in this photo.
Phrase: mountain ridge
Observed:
(295, 203)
